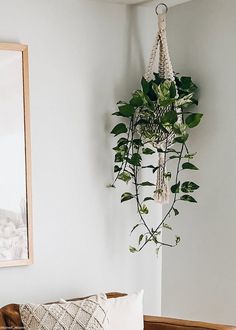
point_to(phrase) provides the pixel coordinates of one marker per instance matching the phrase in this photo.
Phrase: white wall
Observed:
(80, 64)
(84, 56)
(198, 277)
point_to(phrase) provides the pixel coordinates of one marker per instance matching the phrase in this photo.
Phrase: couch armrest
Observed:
(2, 321)
(164, 323)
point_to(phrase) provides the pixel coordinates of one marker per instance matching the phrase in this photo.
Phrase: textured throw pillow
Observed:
(87, 314)
(126, 313)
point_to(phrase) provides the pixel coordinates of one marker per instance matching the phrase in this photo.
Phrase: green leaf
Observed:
(145, 85)
(140, 239)
(158, 78)
(148, 151)
(173, 157)
(165, 225)
(136, 226)
(132, 249)
(127, 110)
(148, 199)
(143, 209)
(180, 128)
(135, 159)
(189, 186)
(186, 82)
(149, 166)
(188, 198)
(140, 98)
(146, 184)
(190, 156)
(163, 92)
(155, 169)
(137, 99)
(165, 128)
(119, 129)
(155, 240)
(193, 119)
(126, 196)
(137, 142)
(184, 101)
(122, 141)
(165, 88)
(167, 175)
(116, 168)
(169, 117)
(177, 240)
(176, 211)
(124, 176)
(110, 186)
(155, 89)
(117, 113)
(151, 94)
(181, 139)
(175, 188)
(166, 102)
(195, 101)
(173, 91)
(189, 166)
(119, 157)
(121, 148)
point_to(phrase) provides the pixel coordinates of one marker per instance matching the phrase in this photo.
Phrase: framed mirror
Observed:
(15, 165)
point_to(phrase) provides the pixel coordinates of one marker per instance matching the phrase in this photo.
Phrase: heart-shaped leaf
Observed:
(176, 211)
(118, 129)
(193, 119)
(188, 198)
(175, 188)
(148, 151)
(127, 110)
(189, 186)
(146, 184)
(126, 196)
(189, 166)
(169, 117)
(124, 176)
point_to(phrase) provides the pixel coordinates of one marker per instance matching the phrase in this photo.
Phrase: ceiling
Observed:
(169, 3)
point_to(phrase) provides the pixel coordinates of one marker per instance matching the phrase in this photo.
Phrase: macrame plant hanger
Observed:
(165, 71)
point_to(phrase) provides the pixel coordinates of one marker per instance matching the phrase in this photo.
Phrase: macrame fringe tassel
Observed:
(162, 192)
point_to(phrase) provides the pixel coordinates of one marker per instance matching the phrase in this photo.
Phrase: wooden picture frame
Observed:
(20, 224)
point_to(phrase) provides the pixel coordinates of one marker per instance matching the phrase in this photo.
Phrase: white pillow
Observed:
(126, 313)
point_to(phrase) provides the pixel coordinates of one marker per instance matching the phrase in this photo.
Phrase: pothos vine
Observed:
(160, 109)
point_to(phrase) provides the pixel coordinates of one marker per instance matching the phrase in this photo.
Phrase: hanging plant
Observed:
(155, 125)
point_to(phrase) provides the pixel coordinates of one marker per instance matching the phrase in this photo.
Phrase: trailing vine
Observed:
(160, 110)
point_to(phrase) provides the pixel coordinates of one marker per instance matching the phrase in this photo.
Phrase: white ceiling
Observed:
(169, 3)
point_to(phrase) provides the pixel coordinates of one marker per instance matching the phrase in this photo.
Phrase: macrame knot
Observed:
(165, 70)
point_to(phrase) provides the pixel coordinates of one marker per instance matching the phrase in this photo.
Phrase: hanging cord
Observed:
(165, 71)
(149, 71)
(165, 66)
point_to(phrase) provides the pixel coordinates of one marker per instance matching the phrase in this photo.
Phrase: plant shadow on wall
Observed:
(153, 130)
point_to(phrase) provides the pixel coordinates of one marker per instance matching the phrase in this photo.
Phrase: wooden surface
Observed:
(164, 323)
(12, 46)
(25, 74)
